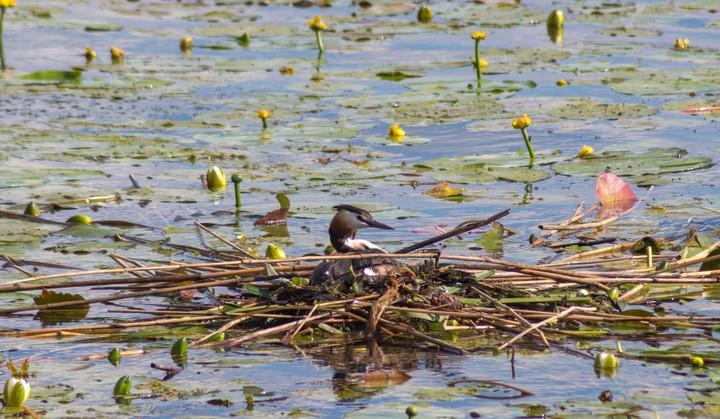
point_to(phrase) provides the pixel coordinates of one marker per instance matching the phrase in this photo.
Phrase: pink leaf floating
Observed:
(614, 194)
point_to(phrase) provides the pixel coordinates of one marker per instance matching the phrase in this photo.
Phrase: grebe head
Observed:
(345, 224)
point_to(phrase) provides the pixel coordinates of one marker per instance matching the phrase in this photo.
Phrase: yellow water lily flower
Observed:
(7, 3)
(484, 63)
(396, 133)
(117, 55)
(586, 151)
(264, 115)
(479, 35)
(682, 43)
(562, 82)
(90, 53)
(317, 24)
(522, 122)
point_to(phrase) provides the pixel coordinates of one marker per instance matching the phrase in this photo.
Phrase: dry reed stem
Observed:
(512, 312)
(540, 324)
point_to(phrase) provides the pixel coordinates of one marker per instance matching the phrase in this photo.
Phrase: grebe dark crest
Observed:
(343, 228)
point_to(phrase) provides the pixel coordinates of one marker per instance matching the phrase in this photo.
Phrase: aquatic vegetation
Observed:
(585, 152)
(478, 36)
(263, 115)
(17, 389)
(117, 56)
(522, 124)
(318, 26)
(396, 133)
(4, 5)
(186, 44)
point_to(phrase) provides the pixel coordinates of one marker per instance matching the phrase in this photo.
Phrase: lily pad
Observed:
(631, 163)
(486, 168)
(591, 111)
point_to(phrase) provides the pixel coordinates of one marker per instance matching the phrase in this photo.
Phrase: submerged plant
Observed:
(264, 115)
(522, 124)
(318, 26)
(4, 4)
(17, 388)
(477, 36)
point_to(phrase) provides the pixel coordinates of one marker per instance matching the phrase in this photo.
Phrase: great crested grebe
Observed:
(343, 228)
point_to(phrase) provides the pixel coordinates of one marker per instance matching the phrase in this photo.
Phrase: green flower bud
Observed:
(274, 252)
(32, 209)
(180, 347)
(236, 178)
(606, 361)
(114, 356)
(123, 386)
(216, 179)
(217, 337)
(556, 18)
(79, 220)
(17, 391)
(424, 15)
(613, 293)
(411, 411)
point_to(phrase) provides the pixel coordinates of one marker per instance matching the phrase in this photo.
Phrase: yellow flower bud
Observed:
(479, 35)
(562, 82)
(262, 113)
(186, 44)
(216, 179)
(483, 63)
(274, 252)
(90, 53)
(396, 133)
(317, 24)
(117, 55)
(586, 151)
(556, 18)
(697, 361)
(522, 122)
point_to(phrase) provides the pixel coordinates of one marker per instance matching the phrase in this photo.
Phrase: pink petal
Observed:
(614, 194)
(611, 189)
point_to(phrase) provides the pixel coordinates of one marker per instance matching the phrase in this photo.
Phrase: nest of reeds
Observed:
(436, 300)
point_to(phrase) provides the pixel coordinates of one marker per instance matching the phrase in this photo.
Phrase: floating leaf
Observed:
(589, 111)
(56, 76)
